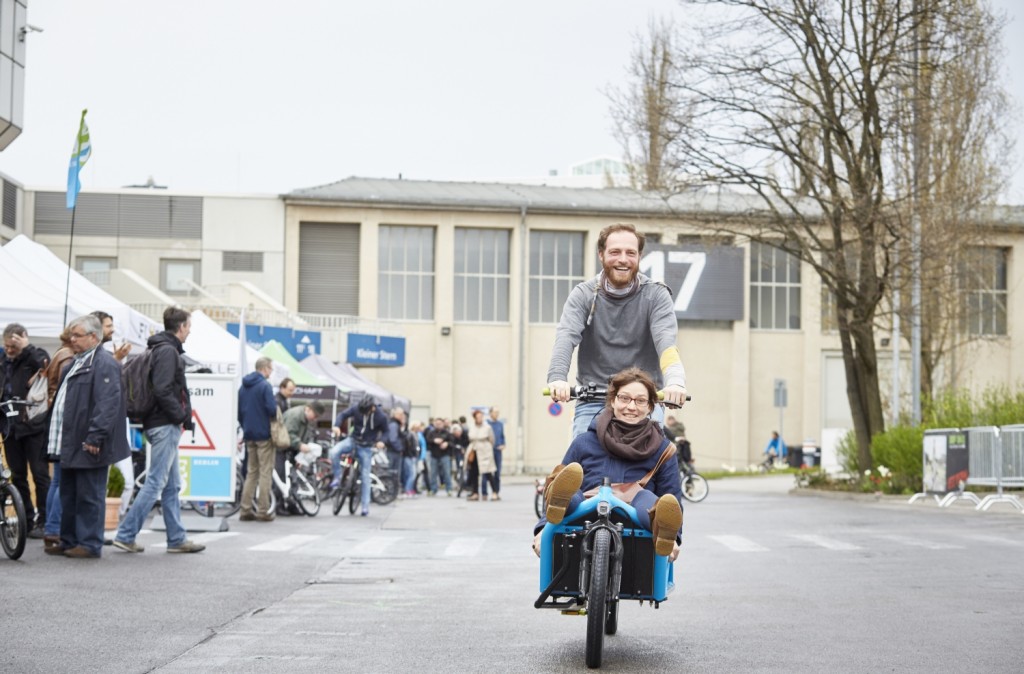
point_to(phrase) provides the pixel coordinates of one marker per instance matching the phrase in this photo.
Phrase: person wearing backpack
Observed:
(171, 412)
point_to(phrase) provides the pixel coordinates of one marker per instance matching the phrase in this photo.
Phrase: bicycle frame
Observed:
(636, 572)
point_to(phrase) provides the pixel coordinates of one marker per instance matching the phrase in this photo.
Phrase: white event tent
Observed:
(32, 293)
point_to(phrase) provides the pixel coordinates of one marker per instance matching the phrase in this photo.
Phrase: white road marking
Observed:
(285, 543)
(919, 543)
(464, 547)
(825, 542)
(201, 538)
(739, 543)
(374, 546)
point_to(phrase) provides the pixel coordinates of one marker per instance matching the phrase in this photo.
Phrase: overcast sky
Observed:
(256, 96)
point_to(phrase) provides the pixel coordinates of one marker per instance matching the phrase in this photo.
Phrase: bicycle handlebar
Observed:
(593, 393)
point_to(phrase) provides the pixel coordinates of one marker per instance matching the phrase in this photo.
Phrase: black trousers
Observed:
(26, 453)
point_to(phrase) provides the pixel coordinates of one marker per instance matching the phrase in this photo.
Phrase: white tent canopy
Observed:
(214, 347)
(32, 293)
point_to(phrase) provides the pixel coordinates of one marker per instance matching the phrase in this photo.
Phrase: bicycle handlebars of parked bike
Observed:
(594, 393)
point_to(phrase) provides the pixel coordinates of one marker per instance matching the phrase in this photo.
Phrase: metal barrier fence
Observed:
(995, 459)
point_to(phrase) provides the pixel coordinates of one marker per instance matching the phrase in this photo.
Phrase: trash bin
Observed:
(794, 455)
(811, 454)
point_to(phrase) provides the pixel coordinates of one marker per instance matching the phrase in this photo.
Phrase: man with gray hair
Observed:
(256, 408)
(88, 433)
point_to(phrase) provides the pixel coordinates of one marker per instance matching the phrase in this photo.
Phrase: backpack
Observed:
(137, 386)
(412, 445)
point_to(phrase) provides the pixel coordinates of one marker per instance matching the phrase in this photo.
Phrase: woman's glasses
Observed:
(624, 400)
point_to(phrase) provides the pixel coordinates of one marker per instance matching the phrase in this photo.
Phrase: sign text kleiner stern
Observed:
(206, 456)
(375, 350)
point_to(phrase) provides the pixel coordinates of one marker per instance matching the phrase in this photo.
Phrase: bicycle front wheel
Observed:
(13, 526)
(695, 488)
(384, 489)
(305, 494)
(597, 596)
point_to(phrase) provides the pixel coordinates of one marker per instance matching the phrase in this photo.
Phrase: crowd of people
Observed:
(69, 440)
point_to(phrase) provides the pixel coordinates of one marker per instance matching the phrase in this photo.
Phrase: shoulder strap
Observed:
(669, 452)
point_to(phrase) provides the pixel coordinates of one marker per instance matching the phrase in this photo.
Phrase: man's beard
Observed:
(613, 276)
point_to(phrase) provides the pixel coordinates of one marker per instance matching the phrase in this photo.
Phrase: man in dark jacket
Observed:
(369, 428)
(26, 442)
(440, 445)
(163, 425)
(89, 432)
(256, 408)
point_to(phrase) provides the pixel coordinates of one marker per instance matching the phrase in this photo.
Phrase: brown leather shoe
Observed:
(561, 490)
(78, 552)
(265, 517)
(665, 523)
(55, 549)
(246, 517)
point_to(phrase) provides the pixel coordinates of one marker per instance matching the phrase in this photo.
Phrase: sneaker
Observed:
(334, 484)
(37, 532)
(246, 517)
(365, 513)
(495, 497)
(186, 546)
(473, 497)
(128, 547)
(561, 490)
(449, 493)
(668, 517)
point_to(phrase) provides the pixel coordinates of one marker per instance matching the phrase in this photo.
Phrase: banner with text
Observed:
(375, 350)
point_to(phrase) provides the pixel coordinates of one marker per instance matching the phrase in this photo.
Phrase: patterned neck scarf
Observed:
(632, 442)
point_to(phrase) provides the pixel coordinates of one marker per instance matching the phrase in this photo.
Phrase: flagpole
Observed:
(67, 283)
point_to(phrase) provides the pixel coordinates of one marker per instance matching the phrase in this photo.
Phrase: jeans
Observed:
(83, 495)
(364, 455)
(343, 447)
(585, 413)
(163, 481)
(440, 466)
(497, 470)
(409, 474)
(53, 508)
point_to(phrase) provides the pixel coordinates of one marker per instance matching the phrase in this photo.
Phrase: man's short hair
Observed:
(13, 329)
(262, 363)
(602, 238)
(174, 318)
(89, 323)
(102, 315)
(316, 406)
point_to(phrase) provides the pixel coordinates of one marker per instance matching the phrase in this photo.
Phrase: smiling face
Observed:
(631, 403)
(621, 258)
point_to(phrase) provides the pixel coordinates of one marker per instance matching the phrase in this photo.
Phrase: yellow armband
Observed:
(670, 357)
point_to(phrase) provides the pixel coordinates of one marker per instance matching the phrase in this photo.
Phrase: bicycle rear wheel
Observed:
(695, 488)
(597, 596)
(384, 489)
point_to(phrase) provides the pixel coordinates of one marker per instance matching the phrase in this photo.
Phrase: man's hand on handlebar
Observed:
(674, 396)
(559, 391)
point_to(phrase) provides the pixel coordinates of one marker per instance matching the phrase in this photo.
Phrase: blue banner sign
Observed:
(300, 343)
(376, 350)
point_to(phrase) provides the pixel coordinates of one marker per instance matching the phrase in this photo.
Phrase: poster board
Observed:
(206, 456)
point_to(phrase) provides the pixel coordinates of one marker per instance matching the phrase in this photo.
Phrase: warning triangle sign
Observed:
(198, 438)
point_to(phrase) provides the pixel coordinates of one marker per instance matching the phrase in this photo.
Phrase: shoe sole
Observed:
(186, 551)
(565, 484)
(127, 548)
(667, 520)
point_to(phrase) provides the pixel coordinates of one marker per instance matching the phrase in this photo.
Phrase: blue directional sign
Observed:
(300, 343)
(375, 350)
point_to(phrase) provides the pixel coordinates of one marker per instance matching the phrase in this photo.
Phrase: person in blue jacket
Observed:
(622, 443)
(256, 408)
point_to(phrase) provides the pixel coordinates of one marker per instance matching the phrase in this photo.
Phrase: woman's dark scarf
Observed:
(632, 442)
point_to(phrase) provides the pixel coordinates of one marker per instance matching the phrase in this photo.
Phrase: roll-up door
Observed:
(329, 268)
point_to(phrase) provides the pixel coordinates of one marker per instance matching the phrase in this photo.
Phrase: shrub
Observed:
(899, 451)
(115, 482)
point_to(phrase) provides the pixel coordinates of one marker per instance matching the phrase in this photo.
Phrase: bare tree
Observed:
(803, 103)
(647, 112)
